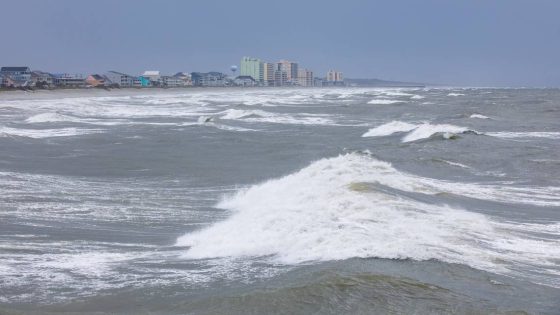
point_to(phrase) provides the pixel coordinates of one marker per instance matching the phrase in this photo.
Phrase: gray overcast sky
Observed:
(498, 43)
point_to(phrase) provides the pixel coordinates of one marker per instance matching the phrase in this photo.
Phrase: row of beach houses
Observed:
(25, 78)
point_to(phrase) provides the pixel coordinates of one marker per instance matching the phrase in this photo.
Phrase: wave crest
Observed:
(336, 209)
(416, 131)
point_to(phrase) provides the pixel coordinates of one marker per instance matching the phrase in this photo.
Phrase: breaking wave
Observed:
(416, 131)
(427, 130)
(339, 208)
(389, 129)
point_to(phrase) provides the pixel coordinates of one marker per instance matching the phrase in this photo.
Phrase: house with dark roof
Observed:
(18, 76)
(120, 79)
(14, 71)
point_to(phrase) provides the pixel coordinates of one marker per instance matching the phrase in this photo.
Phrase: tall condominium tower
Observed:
(291, 69)
(252, 67)
(334, 76)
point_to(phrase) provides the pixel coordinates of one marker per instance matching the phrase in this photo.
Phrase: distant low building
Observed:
(69, 80)
(209, 79)
(245, 80)
(120, 79)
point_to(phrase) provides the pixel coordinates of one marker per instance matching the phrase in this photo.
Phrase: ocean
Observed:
(280, 201)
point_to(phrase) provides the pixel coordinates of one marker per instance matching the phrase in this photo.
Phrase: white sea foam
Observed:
(417, 97)
(384, 102)
(89, 264)
(238, 113)
(389, 129)
(454, 163)
(264, 116)
(531, 134)
(56, 117)
(455, 94)
(396, 93)
(50, 117)
(479, 116)
(46, 133)
(332, 210)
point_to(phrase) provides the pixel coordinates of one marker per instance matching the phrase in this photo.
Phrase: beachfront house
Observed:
(16, 76)
(120, 79)
(97, 80)
(209, 79)
(142, 81)
(41, 79)
(154, 77)
(171, 81)
(185, 78)
(245, 80)
(67, 80)
(6, 81)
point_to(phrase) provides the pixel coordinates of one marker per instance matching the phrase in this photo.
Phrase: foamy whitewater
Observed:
(294, 201)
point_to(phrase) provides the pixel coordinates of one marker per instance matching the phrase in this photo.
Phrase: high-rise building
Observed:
(291, 69)
(280, 75)
(305, 77)
(334, 76)
(268, 73)
(252, 67)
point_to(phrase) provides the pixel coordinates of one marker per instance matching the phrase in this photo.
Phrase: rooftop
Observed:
(151, 72)
(14, 69)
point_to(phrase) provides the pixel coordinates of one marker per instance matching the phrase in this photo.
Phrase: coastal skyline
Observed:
(502, 43)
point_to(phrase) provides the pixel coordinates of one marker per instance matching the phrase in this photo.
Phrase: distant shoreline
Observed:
(186, 88)
(31, 90)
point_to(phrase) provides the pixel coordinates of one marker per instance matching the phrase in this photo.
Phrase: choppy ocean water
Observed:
(252, 201)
